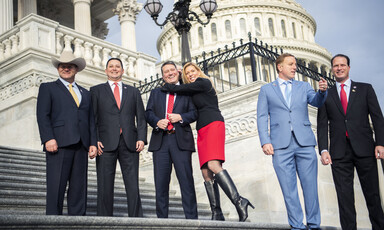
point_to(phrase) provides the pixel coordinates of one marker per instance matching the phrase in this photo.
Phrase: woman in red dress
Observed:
(210, 140)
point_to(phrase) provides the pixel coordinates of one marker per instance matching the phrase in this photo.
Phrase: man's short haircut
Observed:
(167, 63)
(121, 63)
(280, 59)
(340, 55)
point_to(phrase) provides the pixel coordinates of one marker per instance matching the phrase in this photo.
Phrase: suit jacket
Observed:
(109, 118)
(271, 104)
(156, 111)
(362, 104)
(59, 118)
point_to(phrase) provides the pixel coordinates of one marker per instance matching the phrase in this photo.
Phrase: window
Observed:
(271, 28)
(201, 36)
(243, 28)
(214, 32)
(294, 30)
(228, 30)
(283, 29)
(257, 27)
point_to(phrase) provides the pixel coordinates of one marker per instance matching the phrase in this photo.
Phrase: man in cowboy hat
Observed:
(67, 131)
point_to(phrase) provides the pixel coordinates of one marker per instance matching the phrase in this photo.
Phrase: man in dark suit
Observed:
(172, 143)
(346, 111)
(67, 131)
(122, 134)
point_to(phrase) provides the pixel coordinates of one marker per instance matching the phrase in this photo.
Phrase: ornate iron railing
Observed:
(259, 59)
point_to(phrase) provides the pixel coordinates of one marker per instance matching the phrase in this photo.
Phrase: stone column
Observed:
(83, 16)
(127, 11)
(26, 7)
(6, 18)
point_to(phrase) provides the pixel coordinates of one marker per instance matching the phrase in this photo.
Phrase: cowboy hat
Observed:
(67, 57)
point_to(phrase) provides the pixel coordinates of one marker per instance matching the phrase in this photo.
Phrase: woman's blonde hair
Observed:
(201, 73)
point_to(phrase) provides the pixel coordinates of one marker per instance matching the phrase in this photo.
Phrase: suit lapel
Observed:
(65, 91)
(124, 97)
(294, 91)
(335, 96)
(276, 87)
(108, 92)
(162, 100)
(178, 98)
(352, 95)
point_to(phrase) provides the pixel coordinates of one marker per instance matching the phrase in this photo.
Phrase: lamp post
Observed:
(181, 17)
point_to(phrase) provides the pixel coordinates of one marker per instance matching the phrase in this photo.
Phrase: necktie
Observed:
(171, 99)
(287, 92)
(344, 101)
(74, 95)
(116, 93)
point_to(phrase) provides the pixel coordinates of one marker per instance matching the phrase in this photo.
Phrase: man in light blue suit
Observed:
(284, 103)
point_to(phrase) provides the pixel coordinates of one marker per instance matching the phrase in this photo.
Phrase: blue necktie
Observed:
(288, 92)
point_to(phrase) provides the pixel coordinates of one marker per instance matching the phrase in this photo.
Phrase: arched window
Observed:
(294, 30)
(214, 32)
(283, 29)
(257, 27)
(228, 29)
(201, 36)
(243, 28)
(271, 27)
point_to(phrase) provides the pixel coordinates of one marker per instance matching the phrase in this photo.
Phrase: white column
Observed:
(240, 71)
(26, 7)
(127, 11)
(6, 18)
(83, 16)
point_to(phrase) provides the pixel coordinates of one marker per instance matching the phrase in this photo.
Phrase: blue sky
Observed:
(351, 27)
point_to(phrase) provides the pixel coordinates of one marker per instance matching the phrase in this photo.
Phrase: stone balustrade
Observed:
(40, 33)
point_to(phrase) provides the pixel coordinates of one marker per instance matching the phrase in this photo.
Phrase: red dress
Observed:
(210, 142)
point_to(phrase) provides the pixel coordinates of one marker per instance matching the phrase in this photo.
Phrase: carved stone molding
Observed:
(23, 84)
(241, 127)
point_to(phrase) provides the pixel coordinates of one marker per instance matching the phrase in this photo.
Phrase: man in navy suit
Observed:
(67, 131)
(284, 103)
(345, 116)
(122, 134)
(172, 145)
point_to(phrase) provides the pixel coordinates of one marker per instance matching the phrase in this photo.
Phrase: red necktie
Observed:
(171, 99)
(116, 93)
(344, 101)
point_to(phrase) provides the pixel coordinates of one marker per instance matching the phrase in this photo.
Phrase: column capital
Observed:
(127, 10)
(85, 1)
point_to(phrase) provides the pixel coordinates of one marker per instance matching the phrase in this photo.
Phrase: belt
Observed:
(169, 131)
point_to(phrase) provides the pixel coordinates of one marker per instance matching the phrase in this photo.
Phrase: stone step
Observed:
(145, 191)
(20, 151)
(37, 207)
(92, 197)
(90, 222)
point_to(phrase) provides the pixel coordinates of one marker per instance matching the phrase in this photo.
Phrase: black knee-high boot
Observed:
(214, 199)
(229, 188)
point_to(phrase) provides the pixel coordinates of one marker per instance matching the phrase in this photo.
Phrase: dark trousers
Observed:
(67, 165)
(106, 170)
(343, 173)
(169, 154)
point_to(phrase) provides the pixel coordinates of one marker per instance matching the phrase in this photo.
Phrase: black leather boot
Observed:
(214, 199)
(229, 188)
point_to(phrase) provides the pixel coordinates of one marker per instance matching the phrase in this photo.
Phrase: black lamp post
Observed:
(180, 17)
